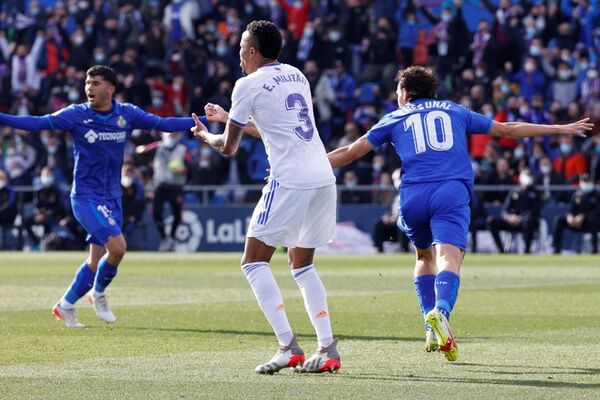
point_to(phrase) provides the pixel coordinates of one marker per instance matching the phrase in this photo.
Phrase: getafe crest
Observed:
(121, 122)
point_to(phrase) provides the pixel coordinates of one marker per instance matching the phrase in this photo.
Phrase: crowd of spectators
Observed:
(535, 61)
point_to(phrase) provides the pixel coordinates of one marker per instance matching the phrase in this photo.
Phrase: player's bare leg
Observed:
(326, 358)
(63, 310)
(255, 265)
(448, 259)
(116, 246)
(424, 279)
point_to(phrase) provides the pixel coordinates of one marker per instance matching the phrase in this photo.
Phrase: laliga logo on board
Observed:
(189, 232)
(91, 136)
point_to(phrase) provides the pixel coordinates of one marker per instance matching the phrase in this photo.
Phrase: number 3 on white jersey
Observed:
(415, 124)
(306, 130)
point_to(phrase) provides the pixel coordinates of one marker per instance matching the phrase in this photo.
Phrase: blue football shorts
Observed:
(101, 218)
(435, 213)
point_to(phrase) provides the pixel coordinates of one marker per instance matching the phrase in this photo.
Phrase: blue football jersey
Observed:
(99, 140)
(430, 137)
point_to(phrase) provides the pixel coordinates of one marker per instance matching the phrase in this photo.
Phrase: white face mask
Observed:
(529, 67)
(47, 181)
(519, 153)
(526, 180)
(587, 187)
(126, 181)
(592, 74)
(545, 169)
(169, 141)
(564, 74)
(3, 184)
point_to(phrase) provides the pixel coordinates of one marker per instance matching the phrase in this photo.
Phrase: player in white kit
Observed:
(298, 205)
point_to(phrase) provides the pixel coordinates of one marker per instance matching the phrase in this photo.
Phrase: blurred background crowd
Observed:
(535, 61)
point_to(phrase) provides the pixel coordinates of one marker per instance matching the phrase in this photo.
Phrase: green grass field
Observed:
(189, 328)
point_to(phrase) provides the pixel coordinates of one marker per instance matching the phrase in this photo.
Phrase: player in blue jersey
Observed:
(430, 137)
(99, 129)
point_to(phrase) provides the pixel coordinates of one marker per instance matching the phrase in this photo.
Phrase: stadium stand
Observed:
(536, 61)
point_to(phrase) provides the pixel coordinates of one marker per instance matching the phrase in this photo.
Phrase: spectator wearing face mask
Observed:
(170, 175)
(178, 18)
(8, 206)
(502, 174)
(591, 148)
(530, 79)
(520, 213)
(297, 12)
(547, 178)
(407, 34)
(48, 208)
(350, 195)
(590, 89)
(386, 229)
(583, 215)
(564, 87)
(570, 163)
(133, 199)
(25, 74)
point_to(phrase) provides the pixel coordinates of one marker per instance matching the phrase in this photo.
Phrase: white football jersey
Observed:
(277, 97)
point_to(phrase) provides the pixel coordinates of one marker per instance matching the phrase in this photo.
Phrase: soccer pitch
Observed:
(189, 328)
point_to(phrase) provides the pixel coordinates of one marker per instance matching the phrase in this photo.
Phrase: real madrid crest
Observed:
(121, 122)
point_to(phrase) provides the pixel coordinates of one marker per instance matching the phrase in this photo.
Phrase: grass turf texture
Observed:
(188, 327)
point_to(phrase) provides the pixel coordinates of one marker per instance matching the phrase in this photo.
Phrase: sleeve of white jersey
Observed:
(241, 102)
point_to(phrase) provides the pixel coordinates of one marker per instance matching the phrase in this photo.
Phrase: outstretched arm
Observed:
(26, 122)
(226, 143)
(516, 130)
(216, 113)
(347, 154)
(176, 124)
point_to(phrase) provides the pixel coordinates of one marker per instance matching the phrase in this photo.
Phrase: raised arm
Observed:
(226, 143)
(347, 154)
(516, 130)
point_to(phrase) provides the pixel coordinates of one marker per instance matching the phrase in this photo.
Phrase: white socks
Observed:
(66, 305)
(269, 298)
(315, 301)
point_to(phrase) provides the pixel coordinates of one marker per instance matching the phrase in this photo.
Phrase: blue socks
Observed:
(424, 286)
(82, 283)
(104, 275)
(446, 291)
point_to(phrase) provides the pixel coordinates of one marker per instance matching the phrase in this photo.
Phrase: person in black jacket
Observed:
(133, 198)
(8, 206)
(479, 219)
(48, 209)
(520, 213)
(583, 215)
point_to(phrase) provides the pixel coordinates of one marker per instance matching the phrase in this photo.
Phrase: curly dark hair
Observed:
(267, 37)
(107, 73)
(418, 82)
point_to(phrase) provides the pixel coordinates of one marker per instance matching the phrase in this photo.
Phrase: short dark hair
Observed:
(418, 82)
(107, 73)
(268, 38)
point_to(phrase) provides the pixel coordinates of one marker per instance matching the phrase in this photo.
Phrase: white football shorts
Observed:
(294, 217)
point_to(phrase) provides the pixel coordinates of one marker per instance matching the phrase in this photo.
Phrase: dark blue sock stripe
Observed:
(296, 275)
(251, 267)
